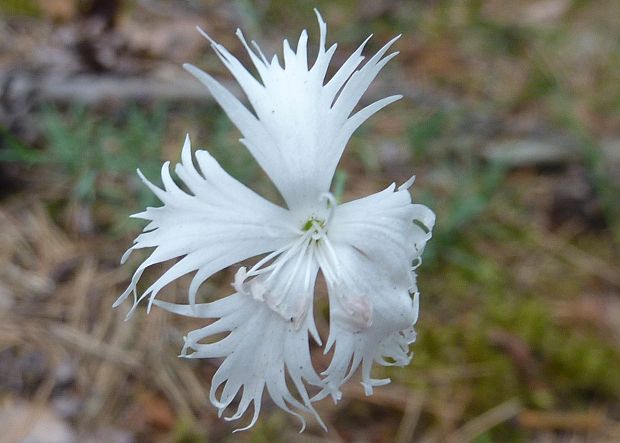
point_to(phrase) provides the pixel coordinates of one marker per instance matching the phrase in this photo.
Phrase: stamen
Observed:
(313, 237)
(295, 269)
(257, 268)
(292, 251)
(319, 230)
(242, 275)
(331, 256)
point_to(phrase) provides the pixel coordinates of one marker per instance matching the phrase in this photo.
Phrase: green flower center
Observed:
(311, 224)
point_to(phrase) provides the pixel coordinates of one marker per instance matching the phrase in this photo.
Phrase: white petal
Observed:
(262, 350)
(219, 223)
(367, 263)
(268, 321)
(288, 287)
(301, 124)
(386, 226)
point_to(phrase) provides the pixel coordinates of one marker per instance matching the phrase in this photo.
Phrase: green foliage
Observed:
(570, 365)
(468, 199)
(424, 131)
(74, 150)
(15, 151)
(364, 150)
(97, 158)
(19, 7)
(340, 179)
(468, 295)
(225, 147)
(606, 189)
(503, 38)
(94, 159)
(483, 438)
(541, 82)
(598, 171)
(185, 431)
(269, 429)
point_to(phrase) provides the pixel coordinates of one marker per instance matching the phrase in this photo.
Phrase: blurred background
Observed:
(510, 120)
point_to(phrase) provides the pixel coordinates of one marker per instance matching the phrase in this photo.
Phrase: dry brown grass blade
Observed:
(385, 397)
(93, 347)
(484, 422)
(588, 421)
(195, 390)
(79, 292)
(109, 373)
(165, 378)
(408, 424)
(455, 374)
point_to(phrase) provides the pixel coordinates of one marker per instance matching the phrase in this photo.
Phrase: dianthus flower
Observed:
(366, 249)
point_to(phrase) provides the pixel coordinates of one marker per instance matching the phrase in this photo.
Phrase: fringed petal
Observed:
(262, 350)
(267, 325)
(368, 266)
(301, 123)
(217, 223)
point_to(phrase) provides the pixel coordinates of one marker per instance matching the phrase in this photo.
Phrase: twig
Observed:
(91, 89)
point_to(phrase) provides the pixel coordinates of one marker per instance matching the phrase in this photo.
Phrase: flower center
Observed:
(290, 256)
(310, 224)
(316, 228)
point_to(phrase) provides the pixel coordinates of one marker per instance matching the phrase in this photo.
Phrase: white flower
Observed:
(366, 249)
